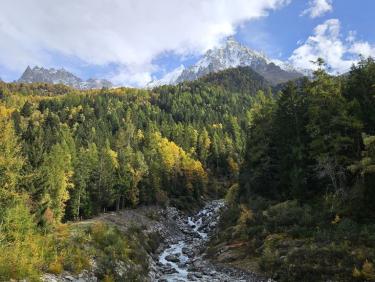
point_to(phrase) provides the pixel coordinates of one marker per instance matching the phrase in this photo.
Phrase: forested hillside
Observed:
(303, 209)
(299, 164)
(69, 155)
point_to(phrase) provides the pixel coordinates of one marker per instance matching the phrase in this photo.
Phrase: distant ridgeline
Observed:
(61, 76)
(300, 164)
(230, 55)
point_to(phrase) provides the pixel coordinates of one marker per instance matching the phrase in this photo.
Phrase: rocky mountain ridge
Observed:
(230, 55)
(57, 76)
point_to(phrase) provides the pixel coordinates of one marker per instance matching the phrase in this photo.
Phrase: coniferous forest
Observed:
(295, 163)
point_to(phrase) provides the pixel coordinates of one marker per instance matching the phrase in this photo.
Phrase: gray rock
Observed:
(172, 258)
(170, 270)
(188, 252)
(198, 275)
(56, 76)
(191, 277)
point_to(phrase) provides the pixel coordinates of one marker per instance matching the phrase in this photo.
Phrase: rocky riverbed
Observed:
(183, 256)
(181, 253)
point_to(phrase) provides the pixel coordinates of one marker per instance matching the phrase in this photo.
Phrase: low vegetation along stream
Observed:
(179, 252)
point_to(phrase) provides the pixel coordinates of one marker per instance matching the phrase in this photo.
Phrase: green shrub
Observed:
(112, 247)
(153, 241)
(231, 197)
(76, 260)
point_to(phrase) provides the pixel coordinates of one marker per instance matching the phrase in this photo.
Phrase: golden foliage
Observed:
(366, 273)
(336, 220)
(176, 160)
(246, 215)
(233, 166)
(55, 267)
(48, 216)
(11, 160)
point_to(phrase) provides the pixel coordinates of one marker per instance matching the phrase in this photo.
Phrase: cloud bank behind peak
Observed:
(129, 33)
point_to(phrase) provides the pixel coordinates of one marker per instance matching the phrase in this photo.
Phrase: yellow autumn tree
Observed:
(57, 171)
(10, 158)
(182, 168)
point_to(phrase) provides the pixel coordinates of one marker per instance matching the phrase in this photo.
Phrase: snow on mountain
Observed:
(232, 54)
(290, 68)
(96, 84)
(56, 76)
(169, 79)
(283, 65)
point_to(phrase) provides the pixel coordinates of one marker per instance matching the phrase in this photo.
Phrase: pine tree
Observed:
(85, 166)
(57, 172)
(203, 146)
(108, 165)
(363, 192)
(258, 173)
(359, 87)
(333, 131)
(290, 138)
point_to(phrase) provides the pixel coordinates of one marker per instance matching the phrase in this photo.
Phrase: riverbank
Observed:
(290, 241)
(174, 245)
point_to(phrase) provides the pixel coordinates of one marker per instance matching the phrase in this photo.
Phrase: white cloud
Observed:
(363, 48)
(327, 43)
(135, 76)
(130, 33)
(318, 8)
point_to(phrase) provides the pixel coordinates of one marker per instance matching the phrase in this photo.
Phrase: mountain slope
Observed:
(237, 80)
(232, 54)
(61, 76)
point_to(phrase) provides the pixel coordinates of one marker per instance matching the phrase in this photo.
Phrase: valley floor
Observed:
(179, 246)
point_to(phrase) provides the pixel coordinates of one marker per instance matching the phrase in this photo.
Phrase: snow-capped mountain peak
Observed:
(229, 55)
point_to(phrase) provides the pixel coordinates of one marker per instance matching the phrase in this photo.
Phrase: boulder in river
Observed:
(181, 264)
(172, 258)
(198, 275)
(168, 269)
(191, 277)
(188, 252)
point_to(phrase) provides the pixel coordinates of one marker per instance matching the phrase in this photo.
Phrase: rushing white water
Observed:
(178, 258)
(196, 225)
(175, 249)
(183, 260)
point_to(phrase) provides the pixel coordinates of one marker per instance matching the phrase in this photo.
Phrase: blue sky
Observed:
(134, 41)
(283, 28)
